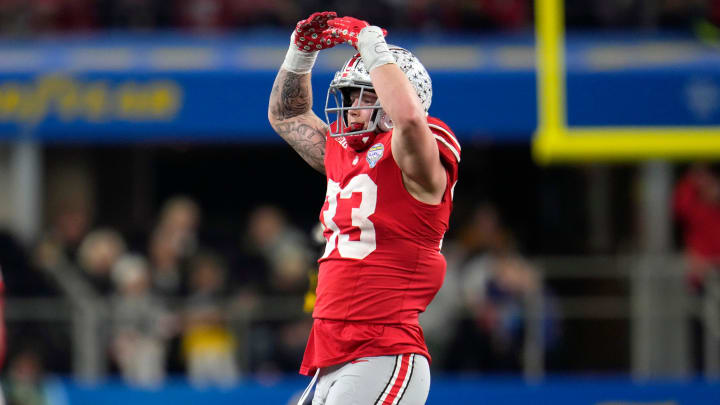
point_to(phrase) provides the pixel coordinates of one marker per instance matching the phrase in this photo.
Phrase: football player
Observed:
(391, 170)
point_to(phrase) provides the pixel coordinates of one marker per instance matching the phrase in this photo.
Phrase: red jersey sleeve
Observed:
(448, 146)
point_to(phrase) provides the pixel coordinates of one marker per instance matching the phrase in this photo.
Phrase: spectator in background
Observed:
(172, 243)
(25, 380)
(696, 203)
(496, 284)
(70, 222)
(284, 248)
(209, 348)
(481, 234)
(283, 258)
(496, 294)
(484, 233)
(141, 325)
(179, 221)
(55, 256)
(165, 264)
(97, 255)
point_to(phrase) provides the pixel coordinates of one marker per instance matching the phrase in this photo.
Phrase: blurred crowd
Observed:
(53, 16)
(30, 17)
(172, 304)
(642, 13)
(169, 303)
(478, 320)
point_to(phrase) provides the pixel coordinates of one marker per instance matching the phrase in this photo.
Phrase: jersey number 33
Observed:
(335, 217)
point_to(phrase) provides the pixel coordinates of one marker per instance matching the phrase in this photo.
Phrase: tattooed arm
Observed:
(291, 116)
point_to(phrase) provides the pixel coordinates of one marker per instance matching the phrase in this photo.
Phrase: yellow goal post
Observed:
(556, 142)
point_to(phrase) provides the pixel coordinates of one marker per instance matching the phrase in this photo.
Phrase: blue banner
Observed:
(120, 88)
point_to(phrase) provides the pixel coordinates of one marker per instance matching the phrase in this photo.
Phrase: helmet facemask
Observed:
(354, 76)
(357, 137)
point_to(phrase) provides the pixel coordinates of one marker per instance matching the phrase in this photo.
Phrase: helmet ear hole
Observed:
(384, 122)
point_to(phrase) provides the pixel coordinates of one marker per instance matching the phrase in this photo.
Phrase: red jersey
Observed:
(382, 264)
(700, 220)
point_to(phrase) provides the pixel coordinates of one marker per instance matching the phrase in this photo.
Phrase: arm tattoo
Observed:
(292, 118)
(292, 97)
(307, 139)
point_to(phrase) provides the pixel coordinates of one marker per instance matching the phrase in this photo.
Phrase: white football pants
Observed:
(402, 379)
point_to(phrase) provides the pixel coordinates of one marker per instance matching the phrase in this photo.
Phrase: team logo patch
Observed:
(374, 154)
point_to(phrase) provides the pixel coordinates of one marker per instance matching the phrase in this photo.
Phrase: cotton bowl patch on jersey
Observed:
(374, 154)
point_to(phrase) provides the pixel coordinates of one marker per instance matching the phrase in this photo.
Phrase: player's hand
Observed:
(311, 33)
(347, 29)
(309, 36)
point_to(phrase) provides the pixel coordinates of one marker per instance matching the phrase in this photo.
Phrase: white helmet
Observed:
(354, 76)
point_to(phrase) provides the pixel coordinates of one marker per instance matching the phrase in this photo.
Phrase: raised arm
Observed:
(291, 116)
(413, 145)
(290, 106)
